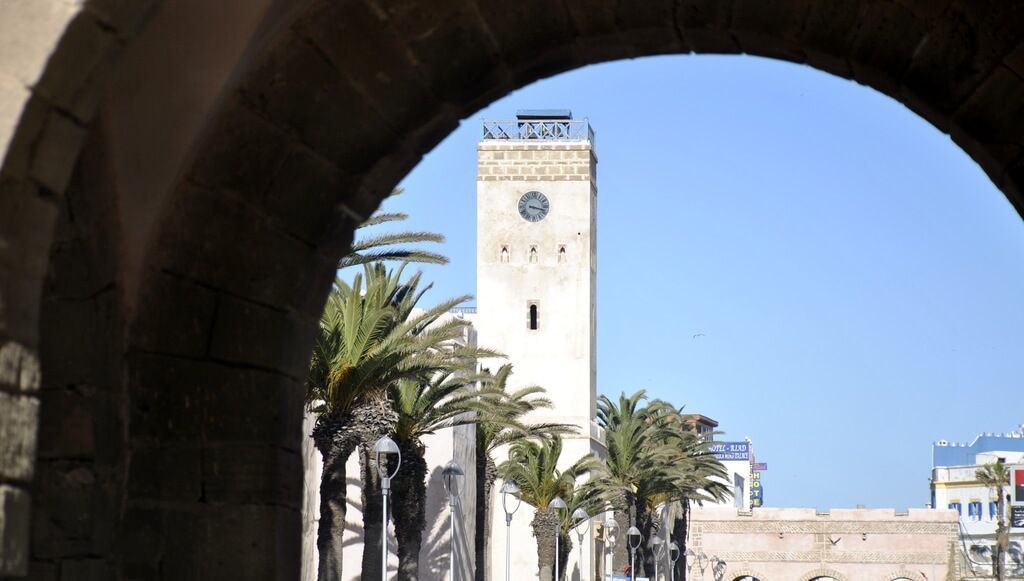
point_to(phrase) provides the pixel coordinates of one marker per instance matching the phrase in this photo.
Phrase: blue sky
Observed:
(853, 279)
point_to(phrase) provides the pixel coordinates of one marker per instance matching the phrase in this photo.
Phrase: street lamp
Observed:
(509, 489)
(673, 555)
(656, 544)
(451, 475)
(581, 517)
(384, 448)
(559, 505)
(611, 527)
(634, 538)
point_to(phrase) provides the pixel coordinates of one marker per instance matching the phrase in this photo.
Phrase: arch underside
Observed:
(172, 315)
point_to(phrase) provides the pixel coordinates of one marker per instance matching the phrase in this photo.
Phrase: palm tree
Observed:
(652, 461)
(369, 339)
(497, 430)
(386, 247)
(447, 400)
(533, 466)
(997, 475)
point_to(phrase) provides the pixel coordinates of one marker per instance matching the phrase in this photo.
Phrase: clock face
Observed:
(533, 206)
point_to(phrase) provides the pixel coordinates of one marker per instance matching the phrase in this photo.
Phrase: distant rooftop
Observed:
(946, 453)
(534, 114)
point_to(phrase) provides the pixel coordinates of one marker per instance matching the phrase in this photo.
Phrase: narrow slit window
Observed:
(504, 253)
(561, 253)
(533, 317)
(533, 254)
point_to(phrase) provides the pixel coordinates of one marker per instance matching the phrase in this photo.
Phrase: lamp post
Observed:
(559, 505)
(384, 448)
(700, 558)
(656, 544)
(634, 538)
(451, 475)
(509, 489)
(580, 517)
(611, 527)
(673, 556)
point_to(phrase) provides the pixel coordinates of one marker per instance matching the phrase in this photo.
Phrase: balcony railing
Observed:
(463, 310)
(539, 130)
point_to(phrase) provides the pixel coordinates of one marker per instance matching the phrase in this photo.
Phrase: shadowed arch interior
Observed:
(178, 425)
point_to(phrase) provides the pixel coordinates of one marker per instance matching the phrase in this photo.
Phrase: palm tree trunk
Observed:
(373, 419)
(335, 444)
(544, 522)
(680, 530)
(564, 548)
(1002, 538)
(648, 528)
(373, 512)
(486, 474)
(620, 553)
(410, 517)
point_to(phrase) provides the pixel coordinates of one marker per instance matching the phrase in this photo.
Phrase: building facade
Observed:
(955, 486)
(802, 544)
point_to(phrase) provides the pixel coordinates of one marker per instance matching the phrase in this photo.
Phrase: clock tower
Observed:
(536, 257)
(536, 277)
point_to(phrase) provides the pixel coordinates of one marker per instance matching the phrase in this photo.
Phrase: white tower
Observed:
(536, 282)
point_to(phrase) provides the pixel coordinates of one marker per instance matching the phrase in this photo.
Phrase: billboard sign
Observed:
(1017, 517)
(730, 451)
(759, 466)
(1018, 486)
(756, 490)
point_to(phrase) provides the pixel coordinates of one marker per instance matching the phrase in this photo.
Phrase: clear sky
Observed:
(798, 256)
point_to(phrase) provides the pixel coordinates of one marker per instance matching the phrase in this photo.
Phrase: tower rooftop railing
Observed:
(538, 130)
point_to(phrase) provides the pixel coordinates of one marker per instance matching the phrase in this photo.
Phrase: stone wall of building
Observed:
(786, 544)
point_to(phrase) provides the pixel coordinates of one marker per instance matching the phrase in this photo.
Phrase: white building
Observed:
(536, 288)
(954, 485)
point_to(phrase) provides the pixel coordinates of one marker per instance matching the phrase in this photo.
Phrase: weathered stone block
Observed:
(255, 335)
(252, 542)
(705, 25)
(252, 475)
(304, 200)
(14, 521)
(277, 421)
(17, 160)
(27, 219)
(83, 46)
(85, 570)
(330, 115)
(166, 473)
(360, 44)
(178, 316)
(242, 152)
(85, 351)
(19, 420)
(19, 367)
(225, 243)
(126, 17)
(56, 151)
(885, 44)
(994, 114)
(771, 29)
(828, 33)
(66, 425)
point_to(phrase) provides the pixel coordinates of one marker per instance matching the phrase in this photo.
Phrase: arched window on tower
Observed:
(561, 253)
(504, 253)
(532, 316)
(533, 254)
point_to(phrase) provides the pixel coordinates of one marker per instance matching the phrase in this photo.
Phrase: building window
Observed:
(533, 254)
(561, 253)
(504, 253)
(956, 506)
(533, 316)
(737, 492)
(993, 507)
(974, 510)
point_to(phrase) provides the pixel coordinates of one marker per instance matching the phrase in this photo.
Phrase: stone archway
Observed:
(823, 574)
(745, 573)
(904, 574)
(203, 265)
